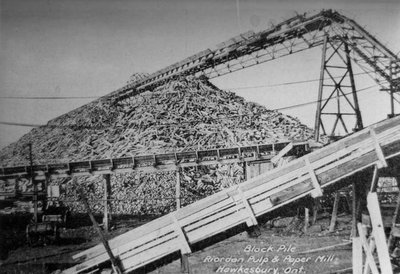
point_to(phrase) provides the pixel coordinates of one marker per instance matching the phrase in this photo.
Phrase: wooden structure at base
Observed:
(308, 175)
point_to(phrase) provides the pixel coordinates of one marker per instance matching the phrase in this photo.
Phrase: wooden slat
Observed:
(317, 192)
(382, 161)
(251, 221)
(184, 245)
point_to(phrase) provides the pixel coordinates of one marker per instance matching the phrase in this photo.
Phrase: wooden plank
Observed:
(379, 233)
(107, 204)
(150, 255)
(211, 218)
(218, 226)
(282, 153)
(382, 161)
(317, 192)
(291, 192)
(357, 256)
(184, 245)
(306, 219)
(251, 221)
(125, 251)
(126, 237)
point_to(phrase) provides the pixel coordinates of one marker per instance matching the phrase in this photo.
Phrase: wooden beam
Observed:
(178, 189)
(375, 178)
(382, 161)
(317, 192)
(107, 202)
(282, 153)
(186, 248)
(379, 233)
(357, 258)
(354, 218)
(306, 219)
(334, 212)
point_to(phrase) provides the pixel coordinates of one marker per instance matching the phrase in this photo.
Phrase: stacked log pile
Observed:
(182, 115)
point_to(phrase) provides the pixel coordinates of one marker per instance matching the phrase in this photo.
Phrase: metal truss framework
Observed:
(294, 35)
(336, 63)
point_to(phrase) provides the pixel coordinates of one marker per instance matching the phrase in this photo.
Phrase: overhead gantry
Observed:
(341, 38)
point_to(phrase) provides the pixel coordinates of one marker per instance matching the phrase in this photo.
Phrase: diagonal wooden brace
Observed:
(251, 221)
(282, 153)
(370, 261)
(317, 191)
(185, 247)
(382, 161)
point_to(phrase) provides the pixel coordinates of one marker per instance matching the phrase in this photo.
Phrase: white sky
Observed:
(90, 48)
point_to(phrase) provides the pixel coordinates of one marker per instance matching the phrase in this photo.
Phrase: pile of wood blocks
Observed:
(182, 115)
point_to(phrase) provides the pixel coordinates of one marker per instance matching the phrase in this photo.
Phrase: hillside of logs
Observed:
(182, 115)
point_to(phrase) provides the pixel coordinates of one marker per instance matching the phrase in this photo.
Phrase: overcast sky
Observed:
(90, 48)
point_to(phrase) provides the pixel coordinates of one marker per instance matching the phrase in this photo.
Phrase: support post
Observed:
(334, 212)
(306, 219)
(33, 182)
(178, 189)
(316, 206)
(184, 257)
(354, 211)
(107, 202)
(357, 256)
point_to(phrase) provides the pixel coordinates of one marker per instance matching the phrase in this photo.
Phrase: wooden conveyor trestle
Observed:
(156, 162)
(308, 175)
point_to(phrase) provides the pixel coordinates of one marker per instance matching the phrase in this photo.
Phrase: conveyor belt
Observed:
(296, 34)
(154, 162)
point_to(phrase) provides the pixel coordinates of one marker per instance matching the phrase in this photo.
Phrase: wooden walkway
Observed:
(154, 162)
(308, 175)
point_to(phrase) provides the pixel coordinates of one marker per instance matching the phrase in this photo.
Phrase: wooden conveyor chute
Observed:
(377, 145)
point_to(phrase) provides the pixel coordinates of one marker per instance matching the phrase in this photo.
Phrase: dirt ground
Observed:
(276, 251)
(282, 247)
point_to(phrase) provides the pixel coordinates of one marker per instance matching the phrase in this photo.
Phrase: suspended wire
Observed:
(325, 99)
(291, 83)
(75, 127)
(49, 97)
(233, 88)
